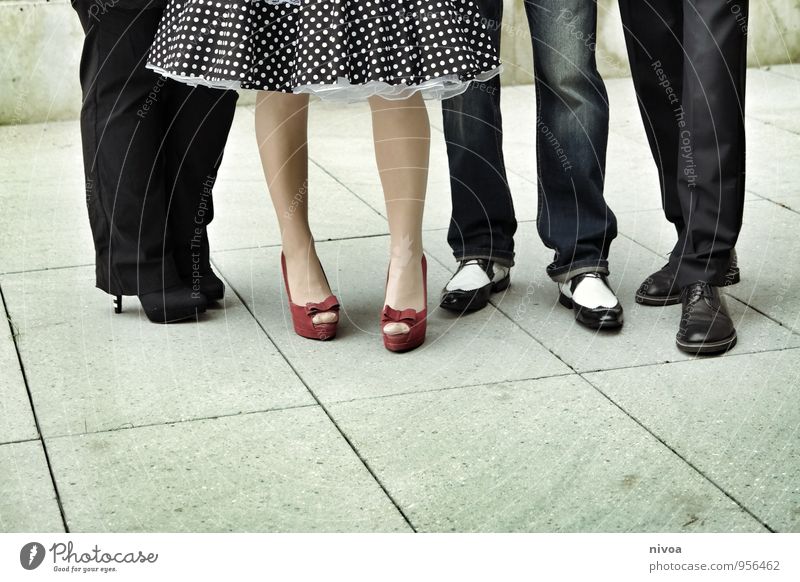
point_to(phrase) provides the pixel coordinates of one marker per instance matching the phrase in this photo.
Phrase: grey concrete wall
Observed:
(39, 66)
(41, 49)
(774, 38)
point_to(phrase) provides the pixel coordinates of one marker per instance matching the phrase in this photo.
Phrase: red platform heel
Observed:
(303, 315)
(415, 320)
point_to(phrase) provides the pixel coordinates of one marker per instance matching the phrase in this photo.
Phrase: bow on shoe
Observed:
(407, 316)
(330, 304)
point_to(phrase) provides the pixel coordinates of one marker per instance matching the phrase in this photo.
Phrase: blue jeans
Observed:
(571, 135)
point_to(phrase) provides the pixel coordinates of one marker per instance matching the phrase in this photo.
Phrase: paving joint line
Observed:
(448, 388)
(727, 294)
(177, 422)
(19, 442)
(772, 124)
(776, 203)
(34, 413)
(346, 187)
(319, 241)
(316, 241)
(684, 459)
(770, 69)
(42, 269)
(737, 354)
(513, 322)
(757, 310)
(327, 413)
(644, 427)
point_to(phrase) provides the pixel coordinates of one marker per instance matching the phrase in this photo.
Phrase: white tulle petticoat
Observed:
(338, 50)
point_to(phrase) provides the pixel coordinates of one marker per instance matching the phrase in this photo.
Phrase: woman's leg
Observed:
(282, 132)
(402, 149)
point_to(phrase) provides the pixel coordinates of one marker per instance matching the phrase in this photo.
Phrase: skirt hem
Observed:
(343, 91)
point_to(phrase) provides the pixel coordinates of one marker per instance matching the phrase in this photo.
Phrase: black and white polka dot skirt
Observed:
(344, 50)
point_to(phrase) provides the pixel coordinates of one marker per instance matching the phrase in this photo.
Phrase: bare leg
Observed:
(282, 132)
(402, 149)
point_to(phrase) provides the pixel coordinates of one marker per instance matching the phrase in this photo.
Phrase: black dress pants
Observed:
(689, 64)
(152, 148)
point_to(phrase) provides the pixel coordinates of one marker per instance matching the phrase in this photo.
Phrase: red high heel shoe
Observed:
(303, 315)
(415, 320)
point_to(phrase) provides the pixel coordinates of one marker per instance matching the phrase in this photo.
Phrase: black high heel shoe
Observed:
(170, 305)
(208, 284)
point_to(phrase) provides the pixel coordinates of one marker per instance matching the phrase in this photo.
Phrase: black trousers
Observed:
(151, 148)
(689, 64)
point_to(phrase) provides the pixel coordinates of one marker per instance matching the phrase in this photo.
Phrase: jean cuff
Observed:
(502, 258)
(567, 272)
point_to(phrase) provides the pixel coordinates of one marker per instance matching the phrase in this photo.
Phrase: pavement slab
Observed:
(549, 455)
(281, 471)
(484, 348)
(511, 419)
(735, 419)
(648, 336)
(763, 84)
(16, 416)
(90, 370)
(772, 168)
(49, 152)
(767, 239)
(244, 217)
(27, 499)
(44, 225)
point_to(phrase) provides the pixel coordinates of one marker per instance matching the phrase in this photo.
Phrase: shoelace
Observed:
(697, 291)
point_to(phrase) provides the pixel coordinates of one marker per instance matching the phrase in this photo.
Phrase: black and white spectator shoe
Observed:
(473, 284)
(594, 303)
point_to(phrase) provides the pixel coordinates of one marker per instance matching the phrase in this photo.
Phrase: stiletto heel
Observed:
(415, 320)
(303, 315)
(118, 304)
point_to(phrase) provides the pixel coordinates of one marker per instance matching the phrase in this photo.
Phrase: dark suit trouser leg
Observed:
(483, 221)
(709, 123)
(198, 124)
(654, 37)
(711, 167)
(122, 134)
